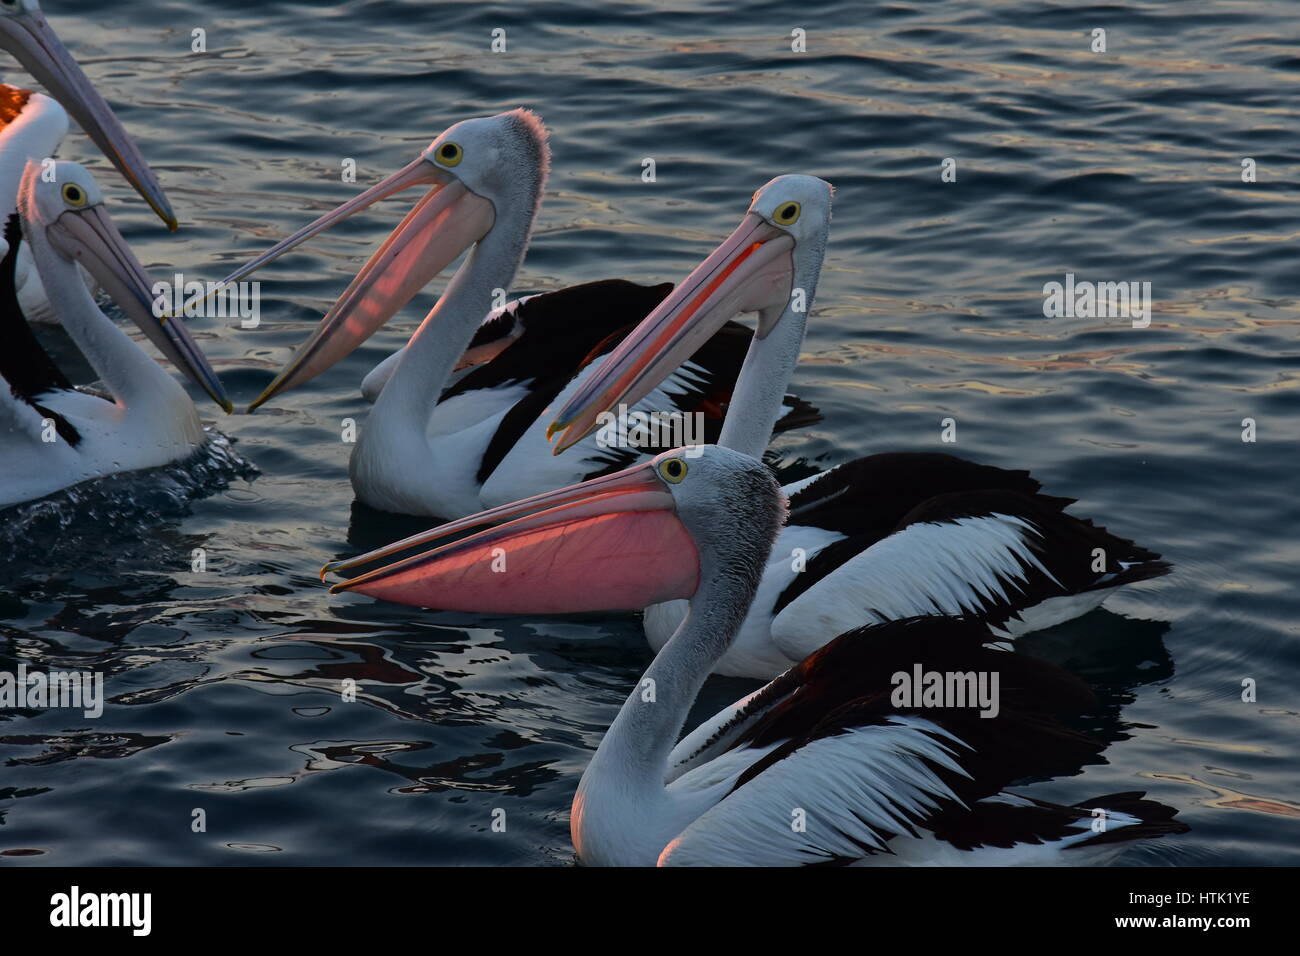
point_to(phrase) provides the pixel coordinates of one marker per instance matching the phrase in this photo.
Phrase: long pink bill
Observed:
(419, 172)
(751, 271)
(609, 544)
(88, 235)
(442, 225)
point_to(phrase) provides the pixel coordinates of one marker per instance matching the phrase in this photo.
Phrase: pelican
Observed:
(35, 125)
(430, 449)
(825, 764)
(878, 538)
(51, 435)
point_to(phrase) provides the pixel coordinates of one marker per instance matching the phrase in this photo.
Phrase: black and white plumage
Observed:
(908, 533)
(487, 431)
(823, 765)
(32, 126)
(911, 785)
(928, 533)
(878, 538)
(552, 363)
(527, 355)
(53, 436)
(25, 366)
(458, 419)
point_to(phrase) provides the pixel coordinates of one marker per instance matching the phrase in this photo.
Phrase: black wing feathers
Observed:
(848, 683)
(871, 498)
(566, 331)
(24, 363)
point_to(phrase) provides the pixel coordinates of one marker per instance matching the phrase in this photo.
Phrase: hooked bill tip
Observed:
(568, 438)
(161, 207)
(276, 387)
(267, 394)
(217, 393)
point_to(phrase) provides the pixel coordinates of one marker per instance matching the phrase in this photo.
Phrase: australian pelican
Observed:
(825, 764)
(457, 422)
(878, 538)
(51, 435)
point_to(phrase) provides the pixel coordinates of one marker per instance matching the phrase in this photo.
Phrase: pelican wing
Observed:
(988, 554)
(827, 768)
(837, 799)
(685, 408)
(712, 738)
(872, 494)
(1010, 829)
(980, 565)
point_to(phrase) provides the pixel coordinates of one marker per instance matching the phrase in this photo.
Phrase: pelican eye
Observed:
(672, 469)
(786, 214)
(74, 195)
(449, 154)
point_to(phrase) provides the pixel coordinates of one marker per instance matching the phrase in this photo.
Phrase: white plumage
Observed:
(828, 799)
(56, 437)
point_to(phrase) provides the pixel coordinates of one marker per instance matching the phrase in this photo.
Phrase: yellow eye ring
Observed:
(450, 154)
(74, 195)
(787, 214)
(672, 470)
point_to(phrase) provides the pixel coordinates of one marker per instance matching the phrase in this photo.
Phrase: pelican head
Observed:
(621, 542)
(64, 216)
(480, 170)
(26, 34)
(781, 238)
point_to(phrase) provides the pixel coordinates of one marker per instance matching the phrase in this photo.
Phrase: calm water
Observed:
(1123, 166)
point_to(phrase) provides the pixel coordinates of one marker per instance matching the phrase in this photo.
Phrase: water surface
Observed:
(1123, 166)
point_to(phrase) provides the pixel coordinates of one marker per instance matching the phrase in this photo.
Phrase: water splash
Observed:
(125, 501)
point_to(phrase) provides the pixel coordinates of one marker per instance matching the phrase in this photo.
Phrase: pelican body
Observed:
(457, 421)
(875, 779)
(53, 436)
(879, 538)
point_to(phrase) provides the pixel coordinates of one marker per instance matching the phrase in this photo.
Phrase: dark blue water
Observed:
(1126, 165)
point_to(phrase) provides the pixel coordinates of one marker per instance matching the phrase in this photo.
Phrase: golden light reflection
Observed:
(1225, 799)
